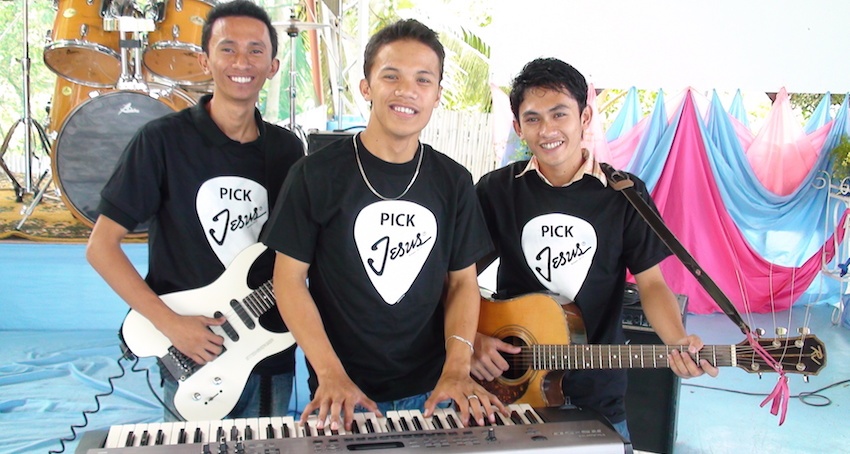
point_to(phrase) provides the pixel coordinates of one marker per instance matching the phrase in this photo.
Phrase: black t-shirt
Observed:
(576, 241)
(207, 198)
(377, 267)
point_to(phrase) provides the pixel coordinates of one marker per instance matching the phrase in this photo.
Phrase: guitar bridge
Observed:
(179, 365)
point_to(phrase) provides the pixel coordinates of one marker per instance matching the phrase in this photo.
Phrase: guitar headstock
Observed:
(799, 355)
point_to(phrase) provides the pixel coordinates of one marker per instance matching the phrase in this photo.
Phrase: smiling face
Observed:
(239, 59)
(550, 122)
(404, 88)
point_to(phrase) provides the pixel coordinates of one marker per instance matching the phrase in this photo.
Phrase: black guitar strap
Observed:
(620, 181)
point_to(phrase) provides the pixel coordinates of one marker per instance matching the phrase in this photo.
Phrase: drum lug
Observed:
(84, 30)
(175, 32)
(178, 5)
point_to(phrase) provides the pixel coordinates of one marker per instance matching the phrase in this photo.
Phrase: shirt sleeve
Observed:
(472, 239)
(291, 229)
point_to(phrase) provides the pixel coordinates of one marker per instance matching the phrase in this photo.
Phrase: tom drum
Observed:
(174, 46)
(80, 49)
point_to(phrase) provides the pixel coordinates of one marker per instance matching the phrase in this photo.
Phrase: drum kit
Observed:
(120, 58)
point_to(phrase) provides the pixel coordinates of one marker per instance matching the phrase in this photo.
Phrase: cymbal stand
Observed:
(29, 124)
(293, 32)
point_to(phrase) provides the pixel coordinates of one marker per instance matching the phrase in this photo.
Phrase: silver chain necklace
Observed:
(369, 185)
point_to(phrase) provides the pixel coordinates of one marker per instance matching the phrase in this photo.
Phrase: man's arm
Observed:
(462, 306)
(189, 334)
(336, 393)
(662, 310)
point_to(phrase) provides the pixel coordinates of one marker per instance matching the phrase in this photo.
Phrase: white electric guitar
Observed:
(210, 391)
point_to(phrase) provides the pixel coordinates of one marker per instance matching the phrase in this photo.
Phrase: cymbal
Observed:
(294, 26)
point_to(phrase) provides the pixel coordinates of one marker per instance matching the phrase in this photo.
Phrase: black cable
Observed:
(150, 387)
(85, 413)
(804, 397)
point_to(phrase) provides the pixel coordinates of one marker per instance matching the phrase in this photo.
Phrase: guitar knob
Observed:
(196, 397)
(217, 381)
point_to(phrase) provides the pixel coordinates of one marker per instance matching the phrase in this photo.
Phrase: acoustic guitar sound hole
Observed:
(517, 365)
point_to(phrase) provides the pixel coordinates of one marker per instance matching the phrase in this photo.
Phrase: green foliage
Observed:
(808, 102)
(841, 158)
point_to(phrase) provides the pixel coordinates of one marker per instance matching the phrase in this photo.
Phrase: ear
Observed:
(365, 90)
(517, 129)
(204, 61)
(273, 69)
(586, 116)
(439, 96)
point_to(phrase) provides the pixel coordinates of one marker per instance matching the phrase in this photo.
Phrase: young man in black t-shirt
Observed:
(559, 228)
(205, 178)
(381, 225)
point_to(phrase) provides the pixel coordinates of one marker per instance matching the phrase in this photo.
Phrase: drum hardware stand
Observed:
(293, 28)
(29, 124)
(130, 42)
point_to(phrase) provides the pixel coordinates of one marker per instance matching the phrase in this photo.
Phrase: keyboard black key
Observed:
(435, 421)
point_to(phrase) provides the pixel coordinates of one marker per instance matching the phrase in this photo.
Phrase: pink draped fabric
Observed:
(691, 205)
(622, 148)
(619, 152)
(781, 154)
(594, 137)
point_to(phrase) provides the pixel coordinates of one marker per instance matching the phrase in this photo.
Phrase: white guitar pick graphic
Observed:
(232, 211)
(559, 249)
(394, 239)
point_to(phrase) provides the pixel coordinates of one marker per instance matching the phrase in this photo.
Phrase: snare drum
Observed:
(80, 49)
(174, 46)
(94, 136)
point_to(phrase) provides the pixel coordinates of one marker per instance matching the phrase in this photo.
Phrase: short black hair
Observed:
(406, 29)
(243, 8)
(551, 74)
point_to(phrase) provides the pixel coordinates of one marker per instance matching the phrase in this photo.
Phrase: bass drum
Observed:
(66, 96)
(94, 136)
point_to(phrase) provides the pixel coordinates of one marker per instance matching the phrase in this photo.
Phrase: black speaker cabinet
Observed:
(320, 139)
(652, 397)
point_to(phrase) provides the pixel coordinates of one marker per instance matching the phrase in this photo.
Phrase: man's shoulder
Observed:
(503, 174)
(444, 161)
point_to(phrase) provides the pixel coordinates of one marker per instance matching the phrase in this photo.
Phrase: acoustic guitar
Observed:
(551, 332)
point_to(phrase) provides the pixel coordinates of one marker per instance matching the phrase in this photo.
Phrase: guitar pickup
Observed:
(227, 327)
(243, 315)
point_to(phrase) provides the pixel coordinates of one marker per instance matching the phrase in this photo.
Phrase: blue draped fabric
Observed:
(627, 117)
(651, 154)
(737, 109)
(820, 116)
(783, 229)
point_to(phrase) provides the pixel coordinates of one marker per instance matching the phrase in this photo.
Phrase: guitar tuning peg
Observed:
(759, 332)
(759, 375)
(804, 330)
(805, 378)
(781, 331)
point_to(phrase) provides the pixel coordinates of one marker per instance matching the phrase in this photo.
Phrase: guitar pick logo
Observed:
(559, 249)
(232, 211)
(394, 239)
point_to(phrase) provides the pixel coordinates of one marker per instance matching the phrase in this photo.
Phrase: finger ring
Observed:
(472, 396)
